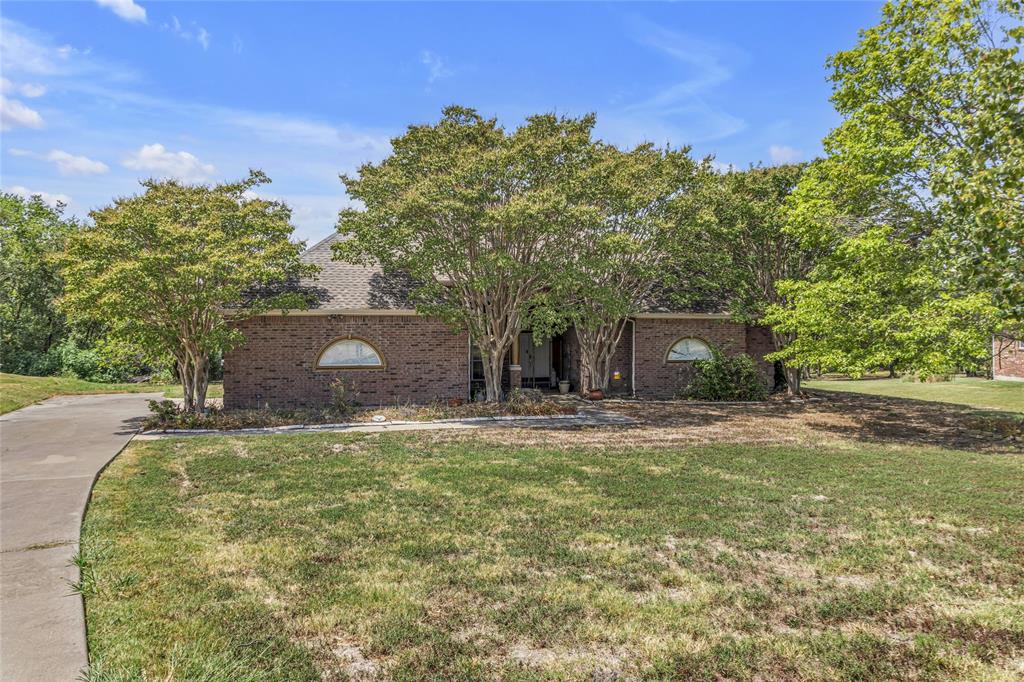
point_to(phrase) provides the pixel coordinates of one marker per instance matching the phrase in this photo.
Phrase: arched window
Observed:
(354, 353)
(688, 350)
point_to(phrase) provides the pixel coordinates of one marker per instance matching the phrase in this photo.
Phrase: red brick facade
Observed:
(276, 366)
(1007, 358)
(425, 361)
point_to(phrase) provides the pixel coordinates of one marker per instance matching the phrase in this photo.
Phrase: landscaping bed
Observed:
(450, 555)
(227, 420)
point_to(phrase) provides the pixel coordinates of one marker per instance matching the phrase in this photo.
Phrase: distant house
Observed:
(363, 328)
(1007, 357)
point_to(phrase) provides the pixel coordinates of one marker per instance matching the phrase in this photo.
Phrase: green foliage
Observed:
(877, 301)
(344, 399)
(481, 219)
(30, 325)
(932, 141)
(728, 378)
(168, 270)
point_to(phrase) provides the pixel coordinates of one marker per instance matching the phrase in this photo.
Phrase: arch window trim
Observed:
(380, 364)
(671, 348)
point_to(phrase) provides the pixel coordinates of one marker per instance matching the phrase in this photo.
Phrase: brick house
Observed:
(363, 328)
(1007, 358)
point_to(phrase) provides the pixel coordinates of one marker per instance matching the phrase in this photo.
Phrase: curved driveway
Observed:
(50, 454)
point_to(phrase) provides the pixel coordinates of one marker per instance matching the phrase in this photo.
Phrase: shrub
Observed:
(726, 378)
(343, 399)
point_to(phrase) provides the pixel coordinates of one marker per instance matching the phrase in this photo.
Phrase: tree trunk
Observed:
(493, 362)
(793, 374)
(200, 383)
(597, 348)
(187, 377)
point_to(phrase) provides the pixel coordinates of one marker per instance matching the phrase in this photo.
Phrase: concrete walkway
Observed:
(50, 456)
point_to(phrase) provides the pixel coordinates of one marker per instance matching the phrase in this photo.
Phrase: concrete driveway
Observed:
(50, 454)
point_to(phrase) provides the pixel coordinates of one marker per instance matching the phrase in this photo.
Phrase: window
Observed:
(349, 353)
(687, 350)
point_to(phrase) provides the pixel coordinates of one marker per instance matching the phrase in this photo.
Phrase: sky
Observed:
(98, 95)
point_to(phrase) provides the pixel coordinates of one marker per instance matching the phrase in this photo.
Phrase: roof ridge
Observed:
(328, 238)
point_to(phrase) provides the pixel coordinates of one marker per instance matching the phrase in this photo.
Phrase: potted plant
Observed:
(596, 394)
(563, 386)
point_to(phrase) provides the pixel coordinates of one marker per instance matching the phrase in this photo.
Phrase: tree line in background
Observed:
(901, 248)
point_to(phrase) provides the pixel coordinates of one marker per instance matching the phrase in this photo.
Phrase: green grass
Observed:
(18, 391)
(314, 557)
(979, 393)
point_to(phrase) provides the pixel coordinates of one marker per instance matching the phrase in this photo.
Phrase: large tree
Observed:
(876, 301)
(169, 269)
(31, 233)
(746, 218)
(932, 99)
(630, 254)
(479, 218)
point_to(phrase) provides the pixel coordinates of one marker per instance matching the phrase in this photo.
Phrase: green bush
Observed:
(102, 363)
(726, 378)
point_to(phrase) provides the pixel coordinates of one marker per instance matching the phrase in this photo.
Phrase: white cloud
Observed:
(722, 166)
(27, 52)
(437, 69)
(69, 164)
(155, 159)
(14, 114)
(203, 37)
(30, 90)
(126, 9)
(51, 199)
(237, 45)
(781, 153)
(300, 131)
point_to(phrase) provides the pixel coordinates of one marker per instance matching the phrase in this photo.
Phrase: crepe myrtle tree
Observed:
(481, 220)
(644, 196)
(171, 268)
(746, 218)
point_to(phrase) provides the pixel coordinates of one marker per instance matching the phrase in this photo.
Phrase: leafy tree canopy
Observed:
(168, 269)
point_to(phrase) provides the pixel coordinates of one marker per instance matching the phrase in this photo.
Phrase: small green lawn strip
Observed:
(972, 392)
(415, 557)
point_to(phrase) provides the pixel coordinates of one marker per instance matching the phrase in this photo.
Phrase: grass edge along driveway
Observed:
(17, 391)
(432, 556)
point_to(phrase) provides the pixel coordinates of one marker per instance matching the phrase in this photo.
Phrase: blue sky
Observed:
(97, 95)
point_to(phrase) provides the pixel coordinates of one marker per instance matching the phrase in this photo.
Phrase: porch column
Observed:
(515, 370)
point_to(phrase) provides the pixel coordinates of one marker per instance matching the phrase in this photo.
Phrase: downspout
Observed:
(632, 359)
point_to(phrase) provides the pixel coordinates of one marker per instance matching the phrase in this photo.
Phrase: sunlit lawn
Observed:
(980, 393)
(455, 557)
(17, 391)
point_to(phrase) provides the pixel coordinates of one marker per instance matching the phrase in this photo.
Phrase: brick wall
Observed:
(1007, 358)
(657, 378)
(759, 344)
(276, 364)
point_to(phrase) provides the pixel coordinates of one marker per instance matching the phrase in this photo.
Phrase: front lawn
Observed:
(17, 391)
(478, 556)
(980, 393)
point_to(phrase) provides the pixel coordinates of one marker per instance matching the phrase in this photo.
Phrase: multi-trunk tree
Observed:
(629, 255)
(480, 219)
(169, 269)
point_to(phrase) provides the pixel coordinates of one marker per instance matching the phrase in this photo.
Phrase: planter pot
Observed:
(455, 402)
(563, 387)
(596, 394)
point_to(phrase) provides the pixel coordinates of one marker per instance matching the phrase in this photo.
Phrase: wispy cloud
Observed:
(156, 160)
(237, 45)
(65, 162)
(126, 9)
(680, 112)
(781, 153)
(25, 52)
(14, 114)
(30, 90)
(437, 68)
(192, 31)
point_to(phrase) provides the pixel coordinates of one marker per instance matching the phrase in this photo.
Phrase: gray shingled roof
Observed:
(342, 286)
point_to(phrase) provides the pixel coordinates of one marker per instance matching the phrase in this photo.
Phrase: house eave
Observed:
(410, 311)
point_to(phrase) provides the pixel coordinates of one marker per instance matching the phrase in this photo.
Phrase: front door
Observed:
(535, 361)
